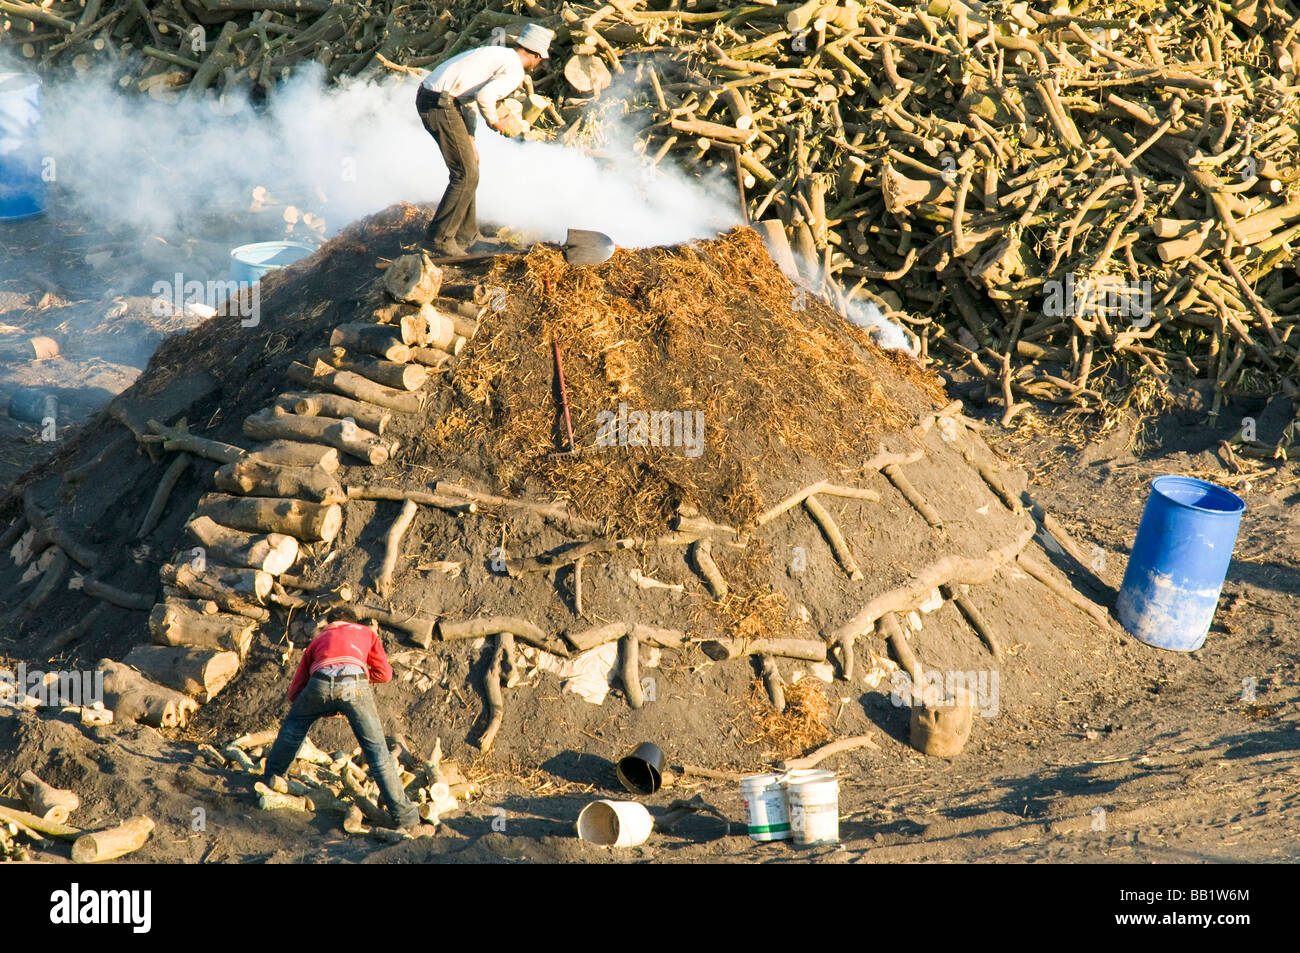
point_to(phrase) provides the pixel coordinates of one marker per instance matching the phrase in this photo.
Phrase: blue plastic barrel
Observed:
(1180, 558)
(22, 188)
(248, 263)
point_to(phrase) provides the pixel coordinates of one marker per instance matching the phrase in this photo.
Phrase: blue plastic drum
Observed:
(248, 263)
(1180, 559)
(22, 186)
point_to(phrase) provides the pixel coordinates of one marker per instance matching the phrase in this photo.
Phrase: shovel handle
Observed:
(564, 396)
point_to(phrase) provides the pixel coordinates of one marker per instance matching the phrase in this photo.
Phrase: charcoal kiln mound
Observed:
(761, 517)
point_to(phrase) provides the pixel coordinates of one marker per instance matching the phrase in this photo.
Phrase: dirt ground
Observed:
(1100, 748)
(1167, 760)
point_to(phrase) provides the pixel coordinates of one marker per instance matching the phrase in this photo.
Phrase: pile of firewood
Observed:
(42, 817)
(317, 781)
(1052, 195)
(1048, 194)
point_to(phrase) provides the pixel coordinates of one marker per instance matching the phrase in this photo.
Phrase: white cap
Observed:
(536, 39)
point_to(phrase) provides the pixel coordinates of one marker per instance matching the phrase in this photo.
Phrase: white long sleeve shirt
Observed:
(489, 73)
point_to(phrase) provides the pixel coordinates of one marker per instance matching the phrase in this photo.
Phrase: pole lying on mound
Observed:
(954, 570)
(131, 697)
(393, 548)
(171, 476)
(503, 653)
(630, 670)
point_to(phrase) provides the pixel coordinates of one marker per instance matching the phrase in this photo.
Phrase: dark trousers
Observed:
(352, 697)
(445, 120)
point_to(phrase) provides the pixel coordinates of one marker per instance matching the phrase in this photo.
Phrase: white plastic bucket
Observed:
(615, 823)
(814, 807)
(764, 798)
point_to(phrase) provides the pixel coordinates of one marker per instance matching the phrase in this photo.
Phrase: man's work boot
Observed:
(446, 248)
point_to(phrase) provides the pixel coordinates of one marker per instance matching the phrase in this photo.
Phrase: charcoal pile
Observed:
(758, 507)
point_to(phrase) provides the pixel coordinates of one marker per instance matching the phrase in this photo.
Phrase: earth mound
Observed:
(754, 491)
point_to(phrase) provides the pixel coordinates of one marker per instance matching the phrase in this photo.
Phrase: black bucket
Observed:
(32, 405)
(642, 772)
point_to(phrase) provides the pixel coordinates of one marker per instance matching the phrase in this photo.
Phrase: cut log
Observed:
(291, 453)
(430, 357)
(350, 384)
(197, 672)
(46, 801)
(224, 585)
(269, 800)
(272, 553)
(253, 477)
(414, 279)
(441, 333)
(131, 697)
(378, 340)
(223, 600)
(304, 520)
(115, 842)
(174, 624)
(342, 408)
(398, 375)
(275, 424)
(410, 321)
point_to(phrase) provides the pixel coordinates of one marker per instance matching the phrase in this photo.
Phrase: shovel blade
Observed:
(583, 247)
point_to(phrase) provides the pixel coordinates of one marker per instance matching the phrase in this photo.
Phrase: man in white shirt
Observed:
(447, 100)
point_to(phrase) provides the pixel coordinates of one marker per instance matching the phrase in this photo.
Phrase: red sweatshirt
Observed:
(339, 643)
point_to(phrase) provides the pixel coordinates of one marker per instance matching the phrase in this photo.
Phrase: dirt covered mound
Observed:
(806, 486)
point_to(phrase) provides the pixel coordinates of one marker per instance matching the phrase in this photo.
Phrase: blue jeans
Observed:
(352, 696)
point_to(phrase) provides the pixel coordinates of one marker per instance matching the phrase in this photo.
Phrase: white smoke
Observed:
(349, 150)
(357, 148)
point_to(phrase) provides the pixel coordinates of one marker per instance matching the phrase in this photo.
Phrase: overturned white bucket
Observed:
(814, 799)
(764, 797)
(615, 823)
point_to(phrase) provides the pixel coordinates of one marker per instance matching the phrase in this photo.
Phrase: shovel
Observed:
(581, 247)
